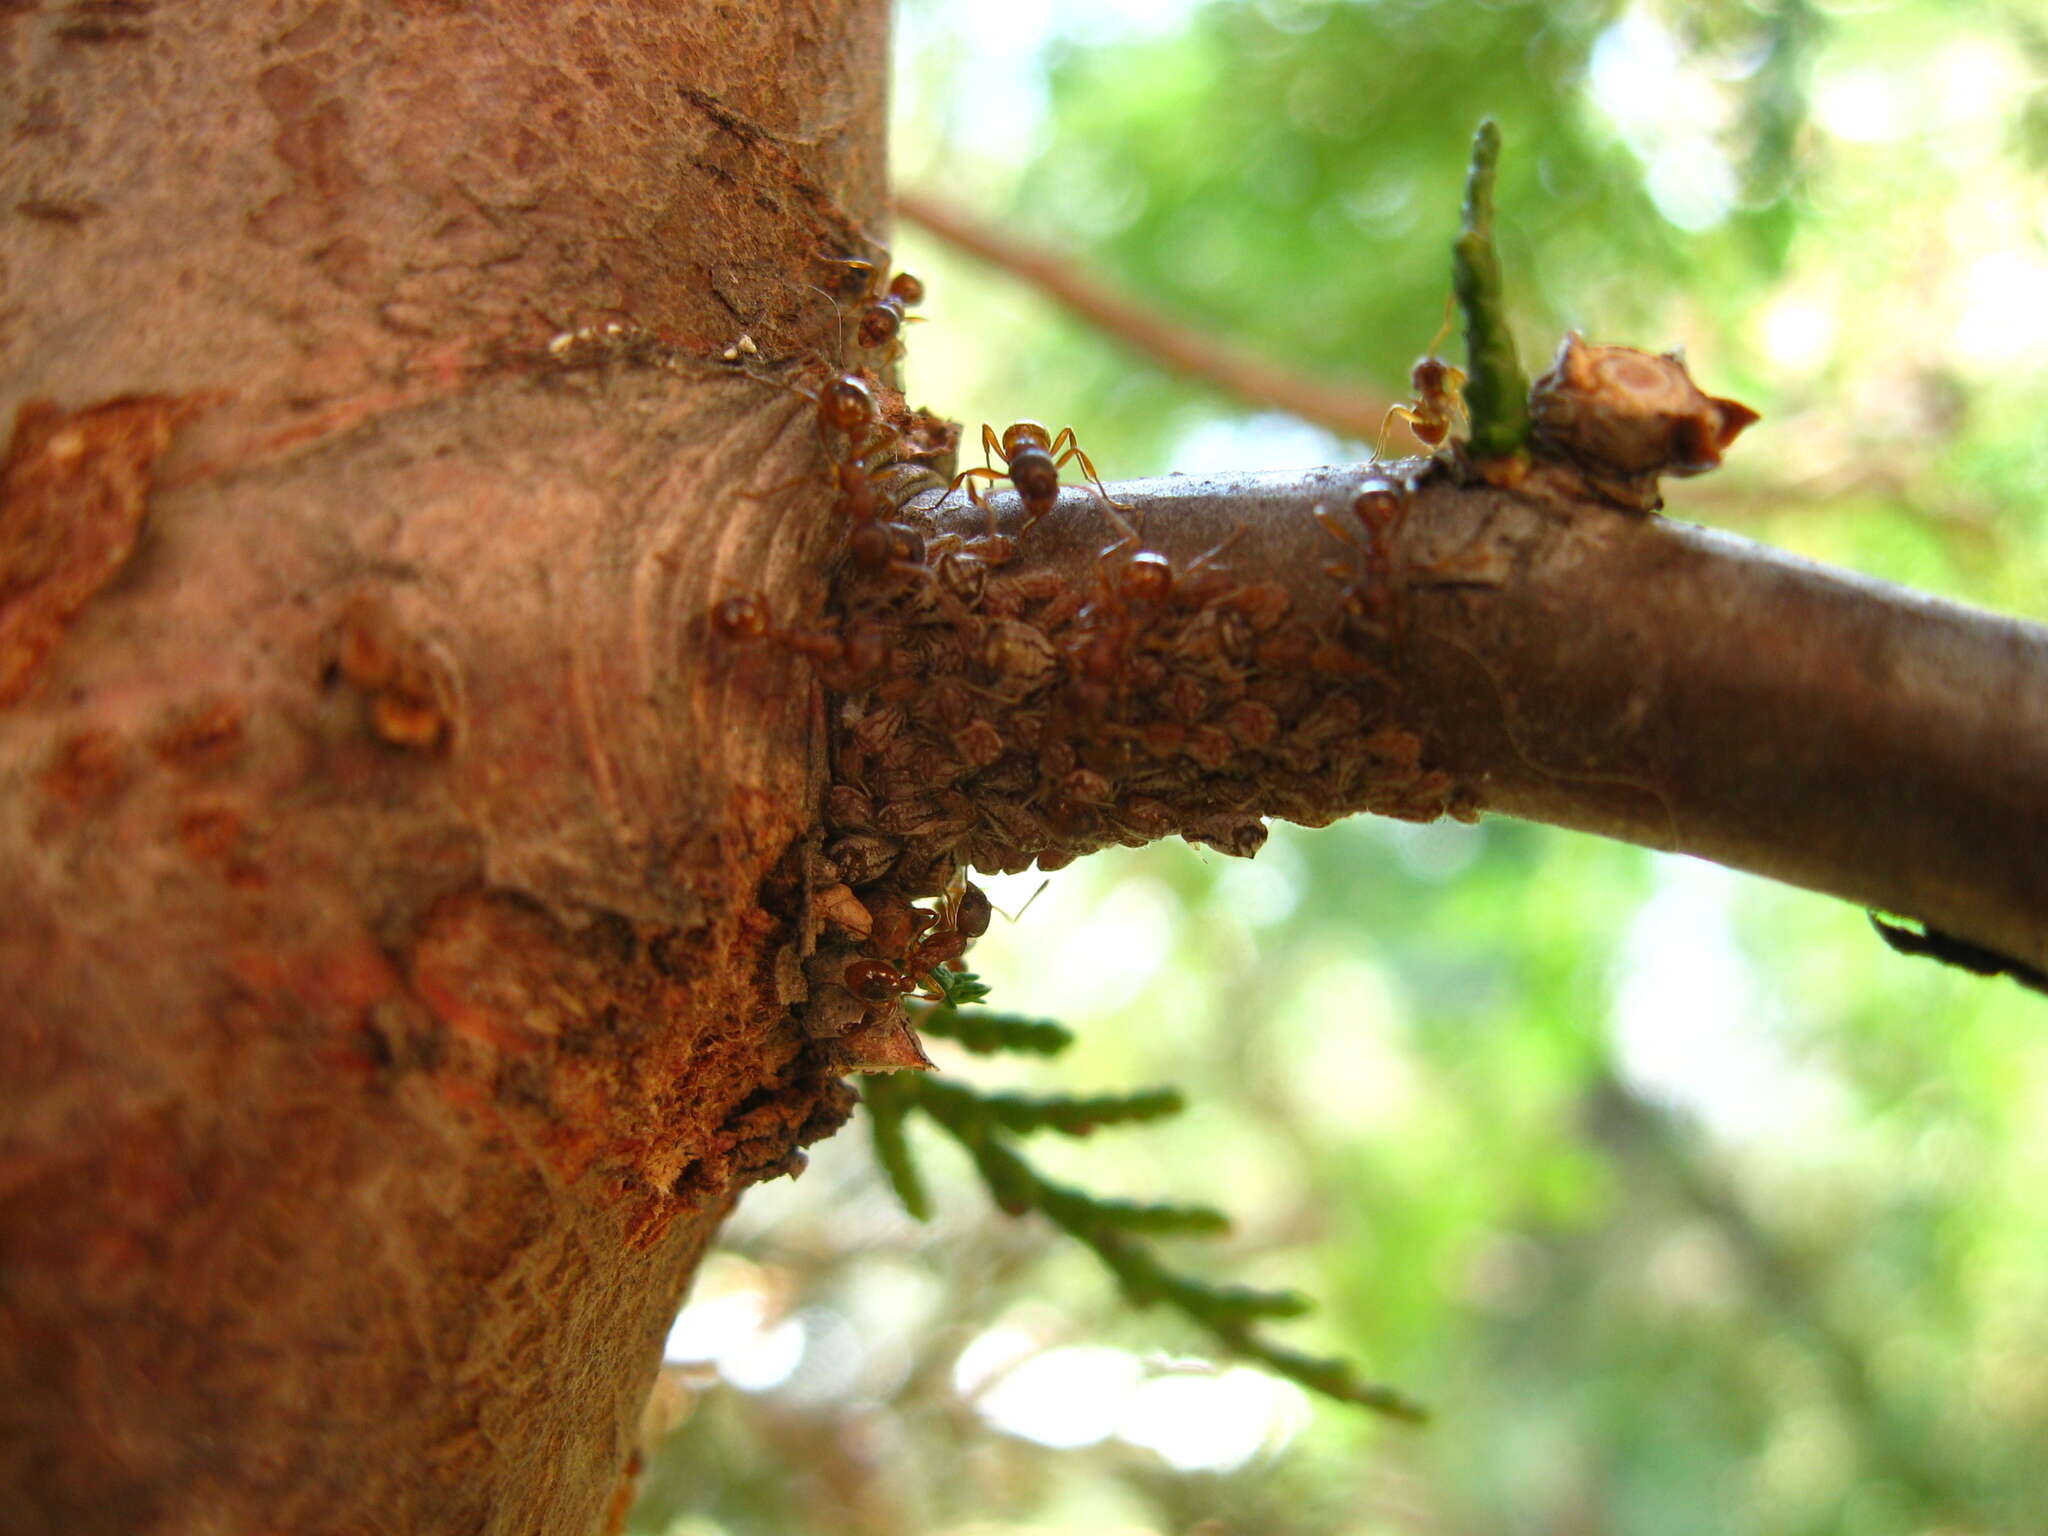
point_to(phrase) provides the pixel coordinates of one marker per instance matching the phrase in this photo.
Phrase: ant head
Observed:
(1020, 435)
(907, 287)
(971, 911)
(1147, 578)
(879, 325)
(847, 404)
(1431, 376)
(1378, 503)
(857, 277)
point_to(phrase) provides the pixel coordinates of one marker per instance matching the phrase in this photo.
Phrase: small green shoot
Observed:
(1116, 1231)
(1496, 389)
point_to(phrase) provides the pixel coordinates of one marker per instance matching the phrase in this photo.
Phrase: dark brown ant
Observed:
(846, 405)
(874, 544)
(1032, 458)
(883, 305)
(1439, 397)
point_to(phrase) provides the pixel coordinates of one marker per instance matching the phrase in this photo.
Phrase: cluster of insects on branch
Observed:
(991, 711)
(1019, 679)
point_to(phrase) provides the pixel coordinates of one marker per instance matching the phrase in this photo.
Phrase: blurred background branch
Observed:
(1200, 357)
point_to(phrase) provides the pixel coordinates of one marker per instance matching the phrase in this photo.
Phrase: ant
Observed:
(1380, 508)
(1032, 458)
(962, 917)
(845, 656)
(847, 406)
(1104, 628)
(882, 314)
(1439, 397)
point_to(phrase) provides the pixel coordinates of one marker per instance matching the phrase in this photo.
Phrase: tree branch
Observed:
(1345, 641)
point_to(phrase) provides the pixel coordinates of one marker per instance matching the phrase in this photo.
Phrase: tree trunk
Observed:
(411, 867)
(402, 886)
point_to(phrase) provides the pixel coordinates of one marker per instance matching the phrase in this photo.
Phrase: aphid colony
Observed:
(1002, 695)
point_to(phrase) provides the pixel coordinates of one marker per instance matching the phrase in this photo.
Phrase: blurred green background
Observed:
(1687, 1206)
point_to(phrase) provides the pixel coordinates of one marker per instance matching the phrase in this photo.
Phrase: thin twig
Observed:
(1346, 412)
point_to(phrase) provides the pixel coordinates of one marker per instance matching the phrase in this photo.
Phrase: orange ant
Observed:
(1032, 458)
(845, 656)
(1439, 397)
(847, 406)
(1380, 508)
(962, 917)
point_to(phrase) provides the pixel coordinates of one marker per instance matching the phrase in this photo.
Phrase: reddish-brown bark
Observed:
(396, 938)
(408, 889)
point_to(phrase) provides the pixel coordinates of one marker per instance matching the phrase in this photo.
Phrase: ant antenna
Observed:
(1019, 914)
(838, 319)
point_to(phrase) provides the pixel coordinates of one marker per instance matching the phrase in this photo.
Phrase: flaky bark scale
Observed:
(398, 926)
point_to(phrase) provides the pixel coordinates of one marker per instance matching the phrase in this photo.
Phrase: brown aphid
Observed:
(1032, 459)
(978, 744)
(848, 806)
(1251, 723)
(837, 905)
(1264, 604)
(1439, 397)
(863, 857)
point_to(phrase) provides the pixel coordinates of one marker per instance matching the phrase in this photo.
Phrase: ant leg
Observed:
(967, 477)
(991, 445)
(1386, 426)
(1329, 522)
(1087, 466)
(776, 490)
(1027, 903)
(1450, 312)
(1210, 554)
(1133, 530)
(838, 320)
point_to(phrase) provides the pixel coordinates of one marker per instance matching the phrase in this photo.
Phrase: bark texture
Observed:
(396, 939)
